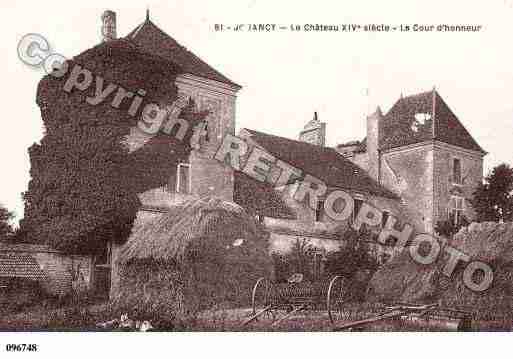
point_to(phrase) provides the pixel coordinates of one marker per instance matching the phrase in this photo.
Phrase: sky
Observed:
(286, 76)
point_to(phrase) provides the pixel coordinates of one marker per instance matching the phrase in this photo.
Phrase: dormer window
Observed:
(420, 120)
(456, 171)
(422, 117)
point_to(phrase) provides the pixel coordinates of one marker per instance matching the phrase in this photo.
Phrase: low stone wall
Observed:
(60, 269)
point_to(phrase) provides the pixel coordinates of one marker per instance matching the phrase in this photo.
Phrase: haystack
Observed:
(203, 255)
(491, 243)
(403, 280)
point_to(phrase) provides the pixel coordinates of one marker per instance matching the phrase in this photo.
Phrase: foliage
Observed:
(299, 260)
(77, 194)
(493, 199)
(84, 181)
(6, 229)
(351, 260)
(448, 228)
(354, 256)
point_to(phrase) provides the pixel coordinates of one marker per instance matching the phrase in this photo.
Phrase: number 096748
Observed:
(21, 347)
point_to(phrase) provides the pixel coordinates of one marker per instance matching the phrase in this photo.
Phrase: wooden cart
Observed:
(269, 297)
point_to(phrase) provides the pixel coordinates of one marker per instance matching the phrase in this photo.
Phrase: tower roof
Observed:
(421, 117)
(149, 37)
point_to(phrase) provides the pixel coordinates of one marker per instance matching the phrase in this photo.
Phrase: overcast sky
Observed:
(286, 76)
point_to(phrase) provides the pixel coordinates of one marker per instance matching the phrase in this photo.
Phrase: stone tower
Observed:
(421, 151)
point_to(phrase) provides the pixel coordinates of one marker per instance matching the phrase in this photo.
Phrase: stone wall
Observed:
(323, 234)
(209, 176)
(422, 175)
(408, 172)
(444, 186)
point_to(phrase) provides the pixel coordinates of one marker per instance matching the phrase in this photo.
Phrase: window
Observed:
(104, 256)
(384, 219)
(357, 205)
(319, 210)
(183, 178)
(207, 135)
(456, 171)
(456, 208)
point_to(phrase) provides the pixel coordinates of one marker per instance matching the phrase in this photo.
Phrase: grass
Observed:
(71, 318)
(84, 318)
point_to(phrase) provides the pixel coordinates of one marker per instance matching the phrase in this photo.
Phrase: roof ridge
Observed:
(173, 51)
(439, 98)
(288, 139)
(400, 129)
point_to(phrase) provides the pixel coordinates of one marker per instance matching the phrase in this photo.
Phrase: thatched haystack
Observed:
(401, 279)
(491, 243)
(205, 254)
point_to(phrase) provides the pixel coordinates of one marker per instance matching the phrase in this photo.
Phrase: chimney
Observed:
(314, 132)
(373, 138)
(108, 25)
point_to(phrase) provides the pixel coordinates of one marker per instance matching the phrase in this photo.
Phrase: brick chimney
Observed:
(373, 138)
(108, 25)
(314, 132)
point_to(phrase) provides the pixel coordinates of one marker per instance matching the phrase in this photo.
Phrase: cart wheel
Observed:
(261, 296)
(335, 298)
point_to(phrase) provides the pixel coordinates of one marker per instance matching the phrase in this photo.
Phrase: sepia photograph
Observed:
(201, 173)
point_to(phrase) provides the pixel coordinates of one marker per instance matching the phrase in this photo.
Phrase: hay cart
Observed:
(269, 297)
(331, 294)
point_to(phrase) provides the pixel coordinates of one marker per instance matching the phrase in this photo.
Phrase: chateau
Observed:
(417, 163)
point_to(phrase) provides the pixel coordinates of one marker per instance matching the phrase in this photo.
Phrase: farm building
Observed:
(30, 270)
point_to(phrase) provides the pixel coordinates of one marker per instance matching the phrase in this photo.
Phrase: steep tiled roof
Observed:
(17, 265)
(450, 130)
(155, 41)
(259, 197)
(400, 127)
(323, 163)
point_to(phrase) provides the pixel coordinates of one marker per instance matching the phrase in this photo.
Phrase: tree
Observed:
(448, 228)
(78, 194)
(6, 229)
(84, 180)
(355, 255)
(493, 199)
(82, 191)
